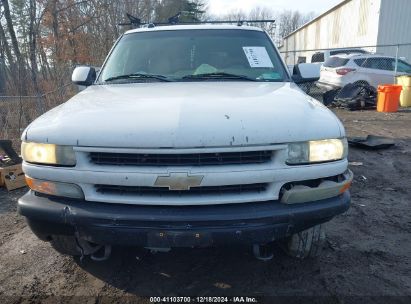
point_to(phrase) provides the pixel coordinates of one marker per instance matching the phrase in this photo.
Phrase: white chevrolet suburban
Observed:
(188, 136)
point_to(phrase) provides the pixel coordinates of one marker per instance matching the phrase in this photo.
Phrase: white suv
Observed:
(189, 136)
(340, 70)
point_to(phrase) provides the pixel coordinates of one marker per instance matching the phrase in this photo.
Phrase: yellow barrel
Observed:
(405, 97)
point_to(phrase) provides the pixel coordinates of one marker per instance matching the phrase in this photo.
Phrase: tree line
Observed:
(42, 40)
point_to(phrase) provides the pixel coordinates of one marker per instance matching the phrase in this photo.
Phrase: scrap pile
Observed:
(362, 96)
(11, 174)
(356, 96)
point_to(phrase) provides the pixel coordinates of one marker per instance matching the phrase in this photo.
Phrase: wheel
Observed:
(65, 244)
(365, 83)
(361, 82)
(305, 244)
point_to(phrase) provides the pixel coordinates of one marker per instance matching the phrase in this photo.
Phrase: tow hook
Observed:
(263, 252)
(100, 258)
(88, 249)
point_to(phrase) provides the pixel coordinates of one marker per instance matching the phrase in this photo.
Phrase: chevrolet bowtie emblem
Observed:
(179, 181)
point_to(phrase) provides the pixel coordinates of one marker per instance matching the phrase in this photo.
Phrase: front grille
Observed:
(197, 159)
(211, 190)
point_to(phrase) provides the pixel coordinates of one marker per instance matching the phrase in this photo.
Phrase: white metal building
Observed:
(355, 23)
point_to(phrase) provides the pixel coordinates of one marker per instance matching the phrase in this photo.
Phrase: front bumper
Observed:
(176, 226)
(325, 87)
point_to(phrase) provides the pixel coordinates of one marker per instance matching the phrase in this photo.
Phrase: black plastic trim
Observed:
(104, 223)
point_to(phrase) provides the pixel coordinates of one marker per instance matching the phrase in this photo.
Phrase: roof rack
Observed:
(175, 20)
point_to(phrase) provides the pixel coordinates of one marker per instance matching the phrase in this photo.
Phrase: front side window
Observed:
(186, 55)
(388, 64)
(380, 63)
(403, 67)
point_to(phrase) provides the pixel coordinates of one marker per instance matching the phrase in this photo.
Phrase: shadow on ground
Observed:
(206, 272)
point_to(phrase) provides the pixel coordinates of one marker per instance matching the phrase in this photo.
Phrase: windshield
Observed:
(335, 62)
(194, 55)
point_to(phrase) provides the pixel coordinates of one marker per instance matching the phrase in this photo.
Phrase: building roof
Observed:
(195, 27)
(318, 17)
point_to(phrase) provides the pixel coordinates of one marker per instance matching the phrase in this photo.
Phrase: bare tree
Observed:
(289, 21)
(33, 44)
(42, 40)
(234, 15)
(264, 13)
(15, 44)
(6, 52)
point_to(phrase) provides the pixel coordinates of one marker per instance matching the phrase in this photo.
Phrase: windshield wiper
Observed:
(138, 76)
(219, 75)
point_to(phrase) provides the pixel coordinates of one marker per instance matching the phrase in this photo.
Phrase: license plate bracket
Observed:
(168, 239)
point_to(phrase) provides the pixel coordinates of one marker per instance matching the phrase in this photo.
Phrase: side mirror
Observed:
(306, 72)
(83, 75)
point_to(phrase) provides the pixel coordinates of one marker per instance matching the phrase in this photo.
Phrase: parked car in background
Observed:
(318, 58)
(369, 69)
(321, 57)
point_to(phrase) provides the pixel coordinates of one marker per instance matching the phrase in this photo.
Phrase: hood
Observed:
(186, 115)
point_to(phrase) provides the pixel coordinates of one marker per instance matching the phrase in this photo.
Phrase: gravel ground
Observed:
(367, 256)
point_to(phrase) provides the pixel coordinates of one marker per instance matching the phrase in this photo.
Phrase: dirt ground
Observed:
(367, 256)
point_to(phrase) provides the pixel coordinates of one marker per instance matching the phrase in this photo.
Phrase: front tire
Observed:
(66, 245)
(305, 244)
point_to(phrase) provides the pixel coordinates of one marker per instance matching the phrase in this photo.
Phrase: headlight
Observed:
(317, 151)
(48, 154)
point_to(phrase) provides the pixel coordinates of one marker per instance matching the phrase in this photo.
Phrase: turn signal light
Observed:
(345, 187)
(55, 188)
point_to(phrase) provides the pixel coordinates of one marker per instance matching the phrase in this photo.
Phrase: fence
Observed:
(386, 62)
(397, 51)
(16, 112)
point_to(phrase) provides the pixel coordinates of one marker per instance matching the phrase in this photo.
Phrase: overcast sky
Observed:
(221, 7)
